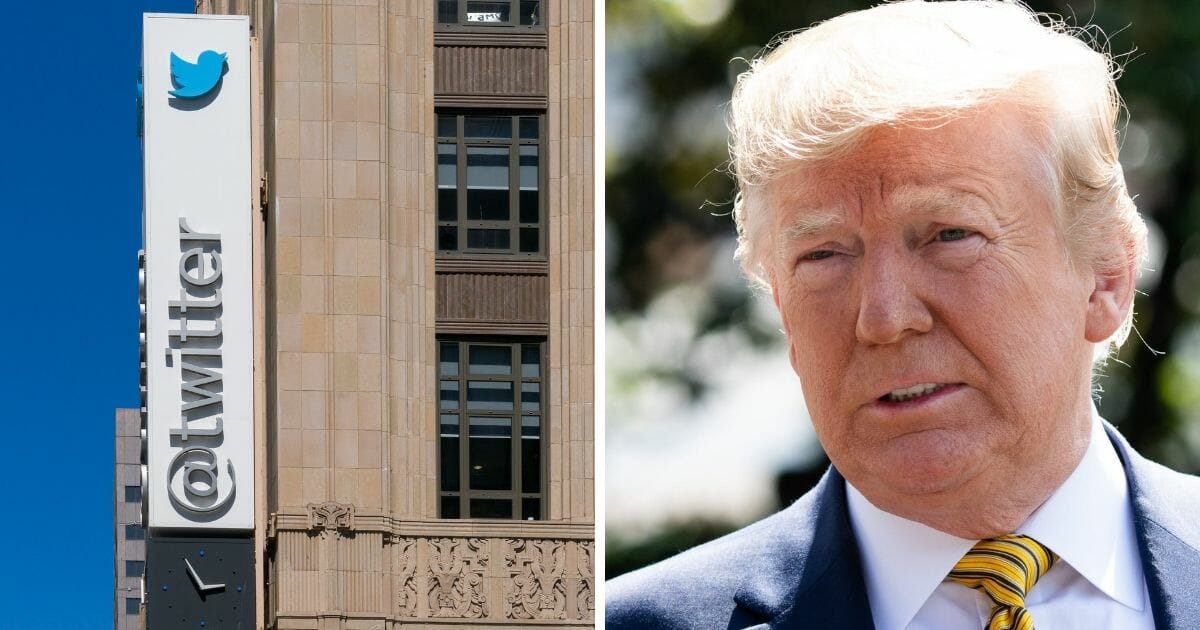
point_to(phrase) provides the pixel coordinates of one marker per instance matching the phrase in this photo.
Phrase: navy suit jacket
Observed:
(800, 567)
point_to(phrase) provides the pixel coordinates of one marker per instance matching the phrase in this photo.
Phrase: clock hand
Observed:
(200, 583)
(195, 577)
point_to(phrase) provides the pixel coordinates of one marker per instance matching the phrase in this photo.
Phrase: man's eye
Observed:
(952, 234)
(820, 254)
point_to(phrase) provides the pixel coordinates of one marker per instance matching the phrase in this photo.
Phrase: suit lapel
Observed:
(808, 574)
(1165, 505)
(812, 577)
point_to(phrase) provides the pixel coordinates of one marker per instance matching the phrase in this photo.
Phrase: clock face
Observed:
(204, 583)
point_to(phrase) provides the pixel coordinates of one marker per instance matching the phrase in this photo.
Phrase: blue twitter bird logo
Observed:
(193, 80)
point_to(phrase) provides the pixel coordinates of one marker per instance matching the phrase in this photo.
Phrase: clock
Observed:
(203, 583)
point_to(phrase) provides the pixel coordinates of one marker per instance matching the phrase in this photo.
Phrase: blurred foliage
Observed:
(669, 75)
(623, 556)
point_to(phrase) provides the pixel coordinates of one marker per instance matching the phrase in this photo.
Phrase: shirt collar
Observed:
(1105, 550)
(905, 561)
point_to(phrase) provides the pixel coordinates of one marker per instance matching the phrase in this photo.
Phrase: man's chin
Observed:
(934, 498)
(923, 466)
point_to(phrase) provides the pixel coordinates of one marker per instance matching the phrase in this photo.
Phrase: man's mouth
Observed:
(912, 393)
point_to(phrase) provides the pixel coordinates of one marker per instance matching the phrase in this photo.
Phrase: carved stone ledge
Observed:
(502, 582)
(299, 519)
(330, 517)
(485, 574)
(354, 621)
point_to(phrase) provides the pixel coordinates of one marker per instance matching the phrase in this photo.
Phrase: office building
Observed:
(129, 536)
(422, 228)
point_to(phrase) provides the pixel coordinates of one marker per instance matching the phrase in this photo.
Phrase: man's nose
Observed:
(891, 302)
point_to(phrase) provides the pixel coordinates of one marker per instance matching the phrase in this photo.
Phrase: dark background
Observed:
(667, 209)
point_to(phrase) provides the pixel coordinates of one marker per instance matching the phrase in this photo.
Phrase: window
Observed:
(489, 174)
(491, 393)
(135, 532)
(133, 494)
(131, 605)
(135, 568)
(485, 14)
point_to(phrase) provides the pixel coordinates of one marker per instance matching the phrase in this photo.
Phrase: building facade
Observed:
(424, 364)
(129, 536)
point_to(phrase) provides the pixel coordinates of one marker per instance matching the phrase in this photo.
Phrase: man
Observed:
(931, 193)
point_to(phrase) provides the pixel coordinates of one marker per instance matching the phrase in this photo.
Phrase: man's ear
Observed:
(1110, 301)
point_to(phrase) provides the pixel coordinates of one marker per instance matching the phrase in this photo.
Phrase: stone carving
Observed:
(457, 567)
(585, 595)
(406, 576)
(329, 517)
(536, 589)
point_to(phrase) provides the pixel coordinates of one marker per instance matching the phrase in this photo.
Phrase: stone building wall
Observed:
(352, 538)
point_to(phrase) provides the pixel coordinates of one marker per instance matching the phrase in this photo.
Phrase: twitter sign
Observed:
(194, 80)
(199, 292)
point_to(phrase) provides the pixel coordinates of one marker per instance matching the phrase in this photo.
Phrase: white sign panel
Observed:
(199, 310)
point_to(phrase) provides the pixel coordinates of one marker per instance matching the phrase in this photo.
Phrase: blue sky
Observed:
(71, 197)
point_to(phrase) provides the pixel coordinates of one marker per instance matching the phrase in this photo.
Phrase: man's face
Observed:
(940, 331)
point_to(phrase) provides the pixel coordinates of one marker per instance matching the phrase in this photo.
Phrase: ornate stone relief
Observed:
(406, 577)
(438, 579)
(536, 589)
(585, 596)
(457, 567)
(328, 518)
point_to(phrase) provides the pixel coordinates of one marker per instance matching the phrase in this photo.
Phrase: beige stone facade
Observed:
(354, 296)
(129, 537)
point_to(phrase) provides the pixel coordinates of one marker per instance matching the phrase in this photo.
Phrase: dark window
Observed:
(135, 568)
(490, 14)
(490, 411)
(135, 532)
(131, 605)
(489, 183)
(133, 494)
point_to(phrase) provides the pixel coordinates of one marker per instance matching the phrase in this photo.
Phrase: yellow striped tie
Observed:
(1005, 569)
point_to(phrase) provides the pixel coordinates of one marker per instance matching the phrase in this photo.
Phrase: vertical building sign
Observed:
(197, 234)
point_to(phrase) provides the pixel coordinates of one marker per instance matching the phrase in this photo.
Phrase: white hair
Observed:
(817, 92)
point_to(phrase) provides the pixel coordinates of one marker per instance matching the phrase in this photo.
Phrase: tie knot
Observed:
(1005, 568)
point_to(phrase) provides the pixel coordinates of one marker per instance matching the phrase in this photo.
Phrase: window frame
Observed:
(514, 23)
(513, 224)
(135, 568)
(516, 495)
(135, 527)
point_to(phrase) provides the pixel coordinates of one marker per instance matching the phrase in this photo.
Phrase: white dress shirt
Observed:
(1096, 584)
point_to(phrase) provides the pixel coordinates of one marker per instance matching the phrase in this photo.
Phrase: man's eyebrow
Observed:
(809, 223)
